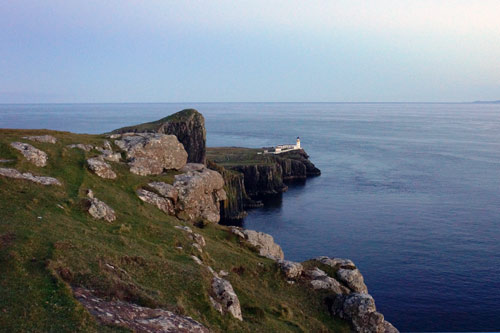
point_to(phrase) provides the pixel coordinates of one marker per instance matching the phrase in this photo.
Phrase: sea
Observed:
(409, 191)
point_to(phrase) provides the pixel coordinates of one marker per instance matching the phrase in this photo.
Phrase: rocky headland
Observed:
(129, 239)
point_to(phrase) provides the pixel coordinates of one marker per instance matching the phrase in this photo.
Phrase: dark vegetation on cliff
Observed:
(49, 244)
(189, 127)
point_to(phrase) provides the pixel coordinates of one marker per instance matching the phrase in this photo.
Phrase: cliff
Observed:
(187, 125)
(264, 174)
(81, 251)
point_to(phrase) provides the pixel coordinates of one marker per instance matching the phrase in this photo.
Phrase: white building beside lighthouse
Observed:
(283, 148)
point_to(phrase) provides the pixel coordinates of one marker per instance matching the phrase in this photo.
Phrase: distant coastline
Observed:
(487, 102)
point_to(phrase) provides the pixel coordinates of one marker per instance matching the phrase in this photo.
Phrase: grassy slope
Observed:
(41, 257)
(231, 156)
(154, 125)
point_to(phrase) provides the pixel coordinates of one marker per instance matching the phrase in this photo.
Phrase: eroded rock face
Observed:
(151, 154)
(350, 299)
(347, 273)
(32, 154)
(101, 168)
(292, 270)
(320, 280)
(199, 192)
(13, 173)
(353, 279)
(165, 190)
(110, 155)
(196, 194)
(164, 204)
(263, 242)
(187, 125)
(335, 262)
(41, 138)
(360, 310)
(134, 317)
(226, 297)
(98, 209)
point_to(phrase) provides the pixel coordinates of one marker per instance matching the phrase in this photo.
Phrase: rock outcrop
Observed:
(134, 317)
(187, 125)
(261, 179)
(32, 154)
(101, 168)
(226, 297)
(350, 299)
(81, 146)
(195, 194)
(360, 310)
(200, 191)
(347, 273)
(13, 173)
(320, 280)
(292, 270)
(237, 199)
(110, 155)
(41, 138)
(98, 209)
(164, 204)
(262, 241)
(151, 154)
(301, 157)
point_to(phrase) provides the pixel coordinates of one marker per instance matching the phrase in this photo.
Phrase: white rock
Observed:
(225, 295)
(32, 154)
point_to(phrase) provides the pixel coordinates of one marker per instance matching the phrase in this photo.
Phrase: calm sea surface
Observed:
(410, 192)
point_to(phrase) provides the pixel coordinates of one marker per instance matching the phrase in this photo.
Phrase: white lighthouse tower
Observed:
(297, 146)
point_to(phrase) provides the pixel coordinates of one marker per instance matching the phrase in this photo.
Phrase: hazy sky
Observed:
(187, 51)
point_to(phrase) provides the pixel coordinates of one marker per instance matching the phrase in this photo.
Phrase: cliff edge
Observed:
(187, 125)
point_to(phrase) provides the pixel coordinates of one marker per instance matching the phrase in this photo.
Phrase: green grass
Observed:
(234, 156)
(48, 243)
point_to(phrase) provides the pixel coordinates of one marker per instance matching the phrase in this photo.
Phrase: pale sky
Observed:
(249, 51)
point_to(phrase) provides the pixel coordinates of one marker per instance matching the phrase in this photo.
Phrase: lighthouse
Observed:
(297, 146)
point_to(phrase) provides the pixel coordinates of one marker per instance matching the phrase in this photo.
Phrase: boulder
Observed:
(110, 155)
(101, 168)
(134, 317)
(226, 297)
(199, 194)
(41, 138)
(35, 156)
(162, 203)
(335, 262)
(81, 146)
(353, 279)
(263, 242)
(165, 190)
(291, 269)
(107, 145)
(98, 209)
(187, 125)
(151, 154)
(237, 231)
(360, 311)
(321, 280)
(13, 173)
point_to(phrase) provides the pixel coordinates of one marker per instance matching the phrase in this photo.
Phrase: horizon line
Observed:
(305, 102)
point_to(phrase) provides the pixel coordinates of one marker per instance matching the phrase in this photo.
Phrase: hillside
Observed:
(49, 244)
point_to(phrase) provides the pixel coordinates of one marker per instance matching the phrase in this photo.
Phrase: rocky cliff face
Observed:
(187, 125)
(301, 157)
(262, 180)
(237, 199)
